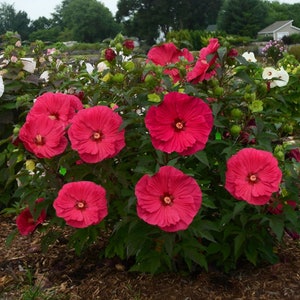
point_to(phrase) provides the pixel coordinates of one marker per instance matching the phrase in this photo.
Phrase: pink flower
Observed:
(180, 123)
(95, 133)
(81, 204)
(253, 175)
(206, 63)
(169, 199)
(43, 137)
(167, 54)
(25, 221)
(56, 106)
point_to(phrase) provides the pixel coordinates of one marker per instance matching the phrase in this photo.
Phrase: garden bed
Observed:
(27, 273)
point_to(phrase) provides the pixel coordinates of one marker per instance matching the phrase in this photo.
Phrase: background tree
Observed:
(44, 29)
(147, 19)
(242, 17)
(278, 11)
(86, 20)
(11, 20)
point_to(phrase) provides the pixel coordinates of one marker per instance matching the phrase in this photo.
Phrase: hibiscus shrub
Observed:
(177, 160)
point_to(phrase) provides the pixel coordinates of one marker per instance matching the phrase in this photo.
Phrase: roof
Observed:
(275, 26)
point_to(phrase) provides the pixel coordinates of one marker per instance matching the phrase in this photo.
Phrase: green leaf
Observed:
(251, 252)
(202, 157)
(238, 243)
(238, 208)
(277, 225)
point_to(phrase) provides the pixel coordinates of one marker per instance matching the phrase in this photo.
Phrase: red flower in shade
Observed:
(43, 137)
(95, 133)
(166, 54)
(25, 221)
(253, 175)
(128, 44)
(278, 208)
(294, 153)
(81, 204)
(110, 54)
(169, 199)
(206, 63)
(181, 123)
(56, 106)
(232, 53)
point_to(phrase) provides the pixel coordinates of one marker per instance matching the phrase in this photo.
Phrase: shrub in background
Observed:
(170, 189)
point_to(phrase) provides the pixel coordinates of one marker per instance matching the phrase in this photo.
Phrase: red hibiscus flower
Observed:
(253, 175)
(167, 54)
(169, 199)
(43, 137)
(56, 106)
(25, 221)
(180, 123)
(206, 64)
(95, 134)
(81, 204)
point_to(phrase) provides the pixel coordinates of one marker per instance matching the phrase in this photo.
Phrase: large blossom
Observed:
(95, 133)
(181, 123)
(205, 67)
(56, 106)
(167, 54)
(275, 77)
(169, 199)
(253, 175)
(43, 137)
(81, 204)
(25, 221)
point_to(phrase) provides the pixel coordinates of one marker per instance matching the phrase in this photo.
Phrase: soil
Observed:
(27, 273)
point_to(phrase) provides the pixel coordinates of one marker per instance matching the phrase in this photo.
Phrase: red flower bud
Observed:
(232, 52)
(128, 44)
(110, 54)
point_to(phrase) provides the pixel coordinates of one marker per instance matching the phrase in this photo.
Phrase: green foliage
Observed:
(196, 39)
(295, 50)
(226, 231)
(87, 21)
(243, 18)
(11, 20)
(148, 19)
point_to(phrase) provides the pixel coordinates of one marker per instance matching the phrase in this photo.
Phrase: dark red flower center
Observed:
(179, 125)
(39, 140)
(253, 178)
(81, 205)
(97, 136)
(167, 199)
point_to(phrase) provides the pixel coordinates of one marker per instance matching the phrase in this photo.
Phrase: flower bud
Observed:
(110, 54)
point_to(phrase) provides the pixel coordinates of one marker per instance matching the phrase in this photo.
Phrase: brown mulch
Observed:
(27, 273)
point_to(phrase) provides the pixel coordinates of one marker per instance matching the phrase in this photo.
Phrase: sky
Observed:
(44, 8)
(39, 8)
